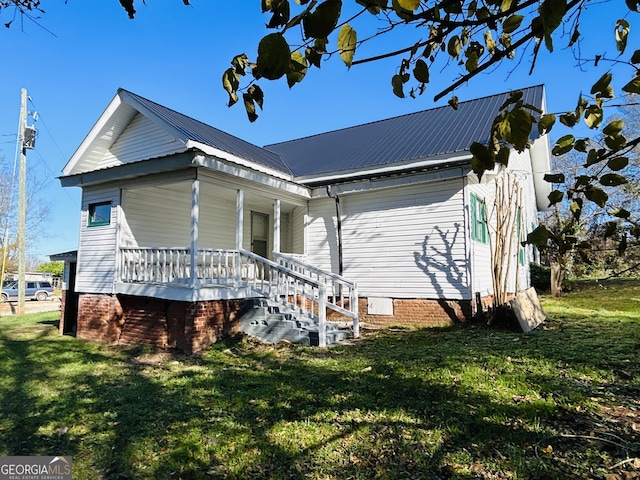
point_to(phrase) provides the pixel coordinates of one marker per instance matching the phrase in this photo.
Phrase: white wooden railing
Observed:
(307, 290)
(342, 294)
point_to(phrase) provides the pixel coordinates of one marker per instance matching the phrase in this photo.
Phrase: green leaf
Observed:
(581, 145)
(593, 116)
(256, 94)
(250, 107)
(512, 23)
(603, 82)
(613, 128)
(593, 157)
(231, 83)
(582, 180)
(633, 86)
(472, 7)
(555, 196)
(563, 145)
(554, 177)
(409, 4)
(454, 102)
(297, 70)
(576, 208)
(421, 71)
(505, 5)
(274, 57)
(620, 213)
(454, 46)
(403, 13)
(539, 237)
(453, 7)
(622, 33)
(633, 5)
(635, 58)
(612, 180)
(314, 54)
(569, 119)
(323, 20)
(551, 14)
(472, 60)
(618, 163)
(373, 6)
(503, 156)
(482, 159)
(596, 195)
(240, 63)
(545, 123)
(489, 42)
(397, 82)
(280, 10)
(347, 40)
(615, 142)
(515, 128)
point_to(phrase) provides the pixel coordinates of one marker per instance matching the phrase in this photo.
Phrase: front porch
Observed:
(206, 275)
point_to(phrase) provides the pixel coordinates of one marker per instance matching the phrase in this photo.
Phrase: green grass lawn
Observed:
(460, 402)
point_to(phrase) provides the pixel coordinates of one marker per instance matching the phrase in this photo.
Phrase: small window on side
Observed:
(99, 214)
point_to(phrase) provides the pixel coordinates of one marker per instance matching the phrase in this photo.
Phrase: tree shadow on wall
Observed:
(447, 274)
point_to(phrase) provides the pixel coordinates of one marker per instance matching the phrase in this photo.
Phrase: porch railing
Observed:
(342, 294)
(308, 295)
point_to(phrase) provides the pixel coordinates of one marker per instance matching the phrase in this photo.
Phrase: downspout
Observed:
(332, 194)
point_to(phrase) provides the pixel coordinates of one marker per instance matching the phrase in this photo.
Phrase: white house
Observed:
(382, 223)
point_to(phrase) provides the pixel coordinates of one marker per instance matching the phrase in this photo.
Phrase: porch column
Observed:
(239, 232)
(276, 227)
(195, 220)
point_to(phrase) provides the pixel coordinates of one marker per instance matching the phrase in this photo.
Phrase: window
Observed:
(478, 219)
(99, 214)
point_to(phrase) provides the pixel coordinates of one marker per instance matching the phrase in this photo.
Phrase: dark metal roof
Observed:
(201, 132)
(414, 136)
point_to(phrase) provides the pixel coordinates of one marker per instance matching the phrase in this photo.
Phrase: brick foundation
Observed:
(131, 320)
(419, 312)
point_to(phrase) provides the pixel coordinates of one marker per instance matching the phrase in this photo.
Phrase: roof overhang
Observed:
(129, 171)
(430, 163)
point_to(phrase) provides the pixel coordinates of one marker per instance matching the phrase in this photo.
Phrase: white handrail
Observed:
(307, 290)
(342, 293)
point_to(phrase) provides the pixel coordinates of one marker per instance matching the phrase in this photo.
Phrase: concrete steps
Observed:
(271, 324)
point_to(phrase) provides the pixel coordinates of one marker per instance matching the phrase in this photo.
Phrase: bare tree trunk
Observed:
(557, 277)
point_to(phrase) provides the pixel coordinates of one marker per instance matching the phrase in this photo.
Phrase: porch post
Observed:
(276, 227)
(239, 232)
(195, 219)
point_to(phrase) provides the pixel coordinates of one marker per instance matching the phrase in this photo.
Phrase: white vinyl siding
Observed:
(521, 164)
(97, 249)
(161, 217)
(297, 224)
(404, 242)
(142, 139)
(322, 236)
(481, 281)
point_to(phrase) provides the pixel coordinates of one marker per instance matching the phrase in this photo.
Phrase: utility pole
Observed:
(22, 208)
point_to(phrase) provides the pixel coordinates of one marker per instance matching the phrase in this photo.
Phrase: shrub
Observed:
(540, 277)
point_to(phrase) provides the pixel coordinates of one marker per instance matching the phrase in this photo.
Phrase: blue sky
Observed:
(78, 54)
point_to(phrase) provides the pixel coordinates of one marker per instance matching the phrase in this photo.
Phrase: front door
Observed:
(260, 233)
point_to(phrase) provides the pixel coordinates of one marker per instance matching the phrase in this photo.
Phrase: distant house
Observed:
(382, 223)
